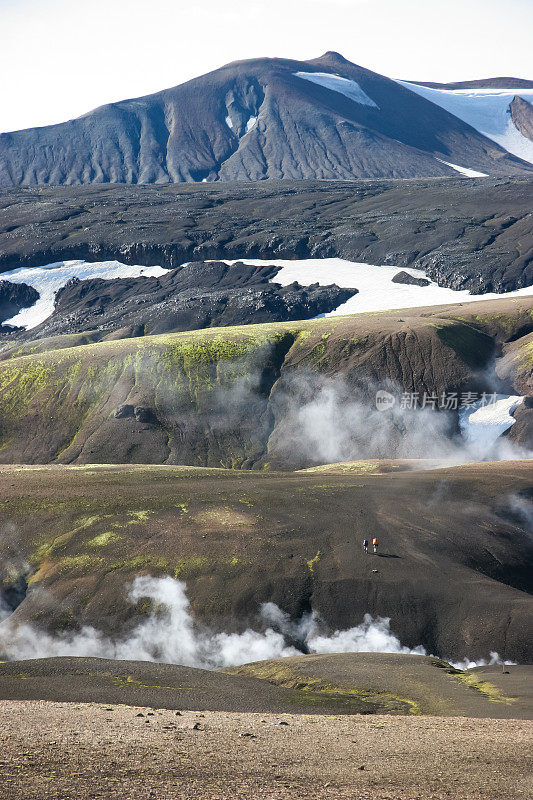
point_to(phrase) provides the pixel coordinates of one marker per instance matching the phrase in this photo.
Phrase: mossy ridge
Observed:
(46, 549)
(80, 562)
(504, 323)
(487, 689)
(354, 467)
(182, 568)
(525, 355)
(317, 689)
(104, 539)
(312, 562)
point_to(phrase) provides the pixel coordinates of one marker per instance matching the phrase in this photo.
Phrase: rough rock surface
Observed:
(253, 120)
(200, 295)
(464, 233)
(522, 116)
(522, 430)
(13, 297)
(410, 280)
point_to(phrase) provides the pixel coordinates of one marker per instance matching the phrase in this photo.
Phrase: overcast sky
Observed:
(61, 58)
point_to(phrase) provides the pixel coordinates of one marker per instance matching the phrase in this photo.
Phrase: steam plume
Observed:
(169, 634)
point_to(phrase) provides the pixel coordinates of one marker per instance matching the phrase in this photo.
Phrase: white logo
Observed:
(384, 400)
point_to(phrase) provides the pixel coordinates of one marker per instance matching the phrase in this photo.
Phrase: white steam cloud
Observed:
(522, 509)
(324, 420)
(169, 634)
(493, 660)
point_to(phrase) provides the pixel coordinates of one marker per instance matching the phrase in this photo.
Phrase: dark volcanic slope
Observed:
(465, 233)
(362, 683)
(253, 120)
(228, 396)
(453, 572)
(200, 295)
(435, 687)
(139, 683)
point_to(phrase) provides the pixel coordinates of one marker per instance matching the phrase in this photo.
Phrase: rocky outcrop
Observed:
(13, 297)
(409, 280)
(522, 431)
(199, 295)
(522, 116)
(463, 233)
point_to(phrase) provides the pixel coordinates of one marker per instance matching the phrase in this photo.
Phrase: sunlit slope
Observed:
(218, 397)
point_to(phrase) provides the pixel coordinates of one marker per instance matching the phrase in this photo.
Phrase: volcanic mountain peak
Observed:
(258, 119)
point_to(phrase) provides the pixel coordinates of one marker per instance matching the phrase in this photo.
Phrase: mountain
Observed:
(481, 83)
(258, 119)
(491, 110)
(231, 396)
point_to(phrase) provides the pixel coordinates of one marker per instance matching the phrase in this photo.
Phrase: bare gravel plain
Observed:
(59, 751)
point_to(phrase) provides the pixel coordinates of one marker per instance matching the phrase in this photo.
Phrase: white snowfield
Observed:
(486, 110)
(348, 88)
(49, 279)
(468, 173)
(377, 292)
(482, 424)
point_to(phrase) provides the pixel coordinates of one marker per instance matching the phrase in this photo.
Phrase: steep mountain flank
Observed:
(253, 120)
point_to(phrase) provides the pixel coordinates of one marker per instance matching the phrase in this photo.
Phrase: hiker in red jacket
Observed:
(375, 544)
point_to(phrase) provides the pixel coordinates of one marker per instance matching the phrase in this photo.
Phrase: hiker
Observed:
(375, 544)
(365, 545)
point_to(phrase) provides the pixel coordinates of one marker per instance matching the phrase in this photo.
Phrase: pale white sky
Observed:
(61, 58)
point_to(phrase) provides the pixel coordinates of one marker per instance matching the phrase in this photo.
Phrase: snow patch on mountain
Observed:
(486, 110)
(376, 291)
(250, 124)
(336, 83)
(469, 173)
(483, 423)
(49, 279)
